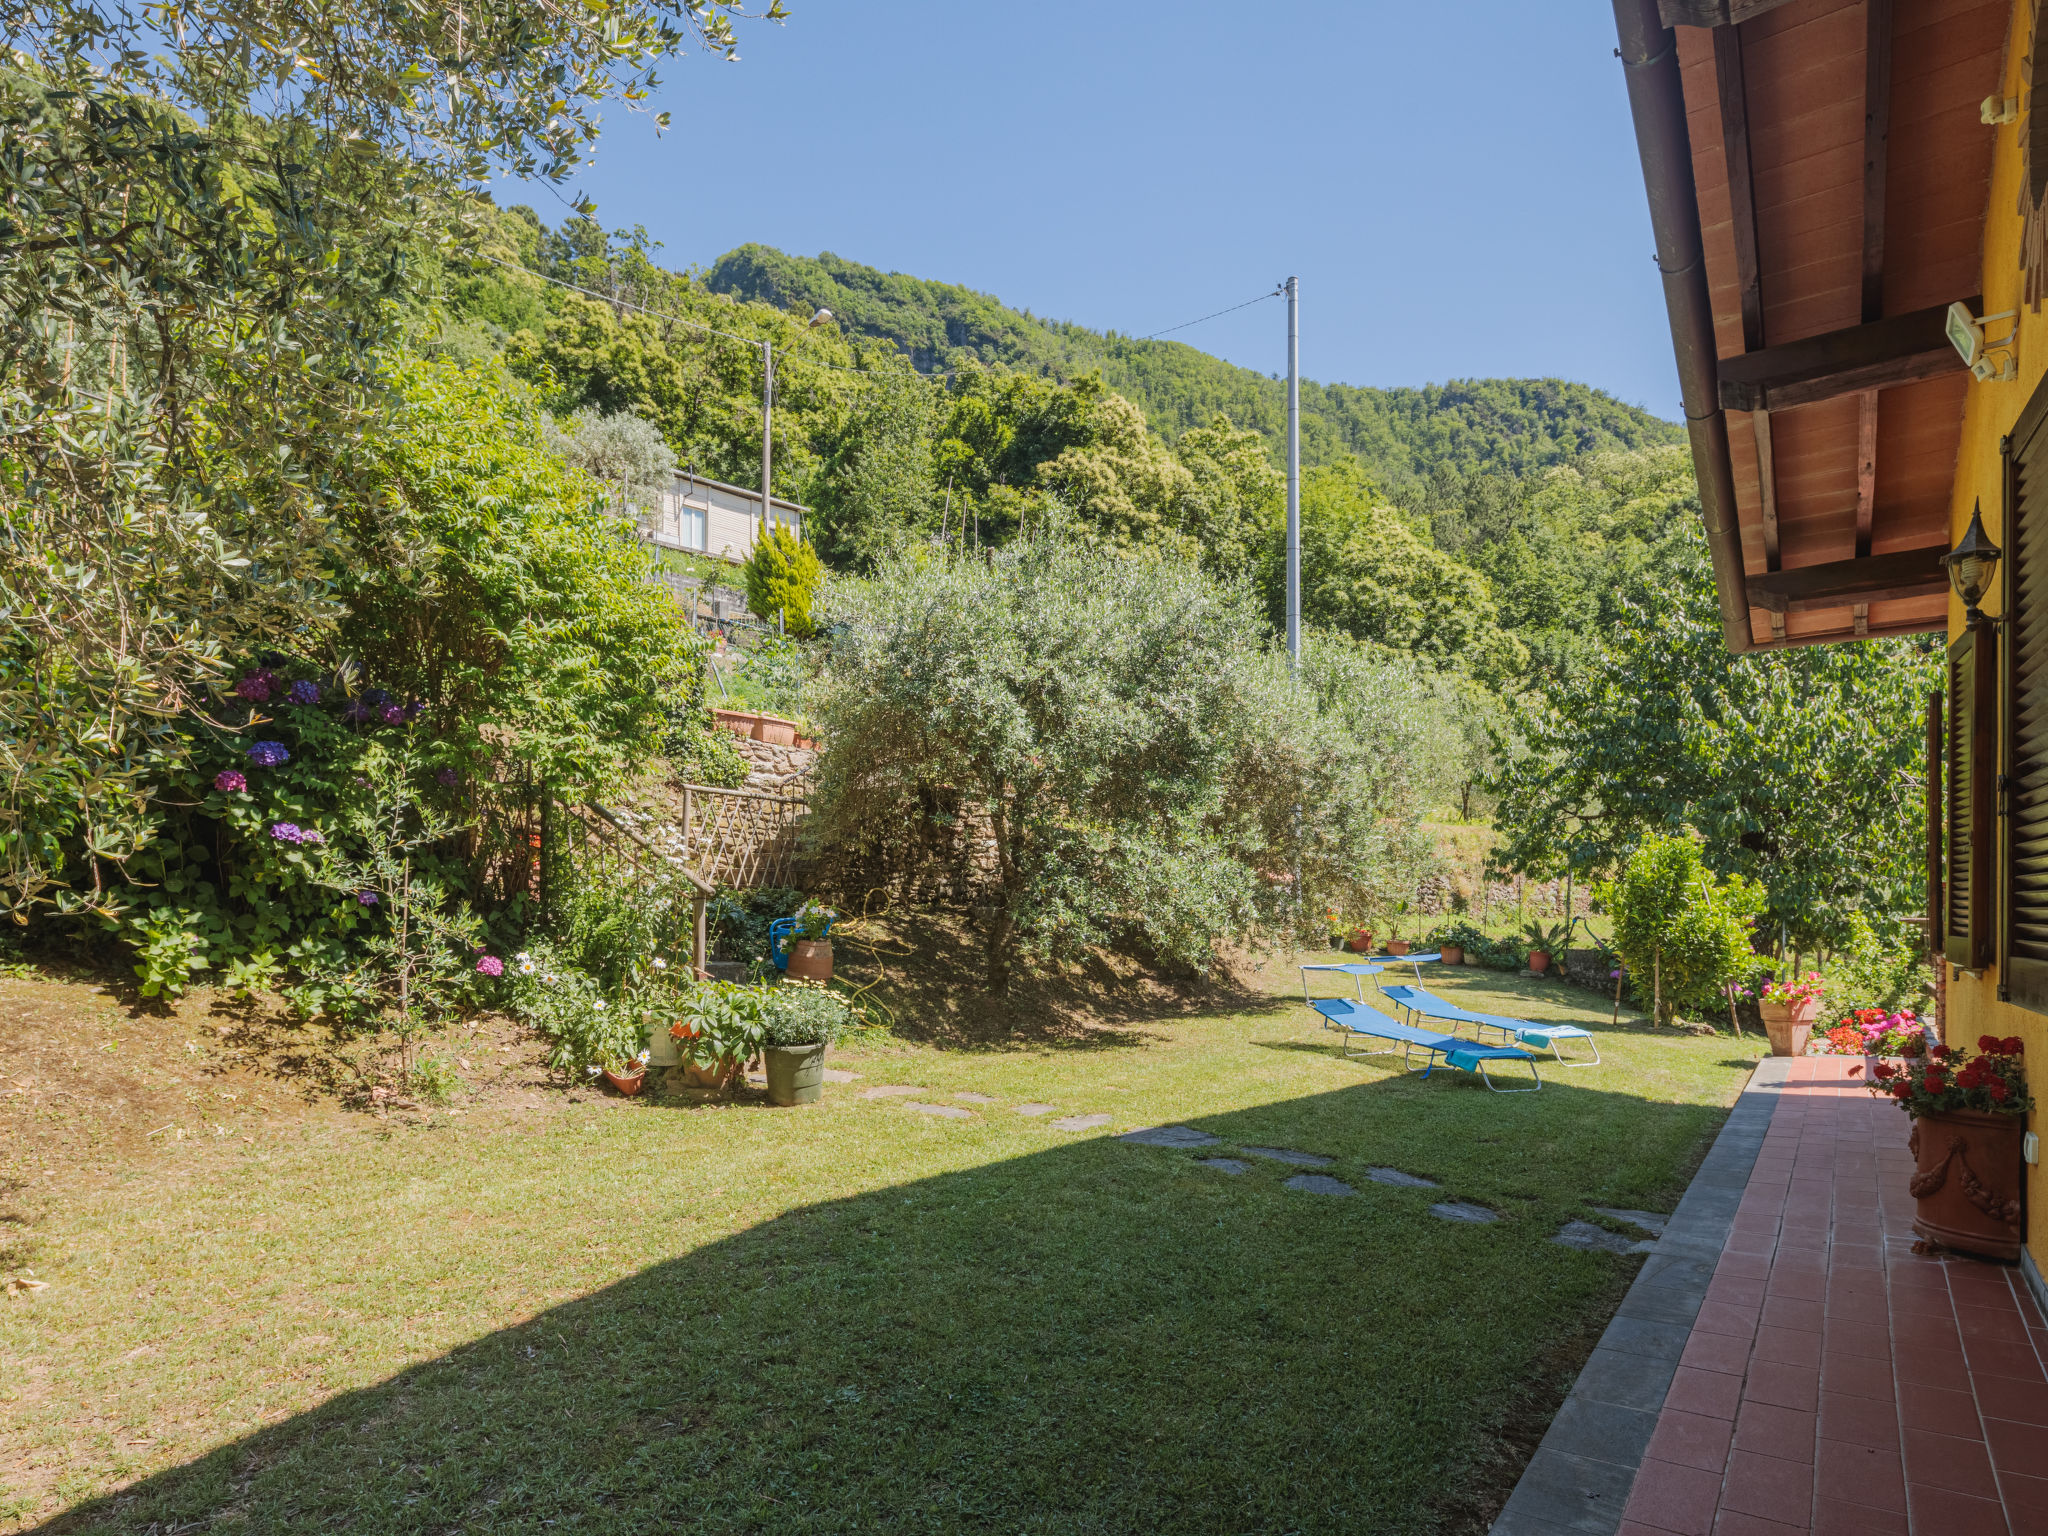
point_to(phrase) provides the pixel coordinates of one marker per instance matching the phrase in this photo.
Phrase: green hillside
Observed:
(1404, 435)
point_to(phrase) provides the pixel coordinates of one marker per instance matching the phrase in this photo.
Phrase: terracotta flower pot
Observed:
(810, 960)
(1397, 946)
(627, 1085)
(720, 1076)
(1360, 942)
(774, 731)
(1969, 1181)
(1788, 1025)
(1454, 954)
(1539, 960)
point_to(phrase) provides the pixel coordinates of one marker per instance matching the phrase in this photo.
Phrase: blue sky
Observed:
(1456, 185)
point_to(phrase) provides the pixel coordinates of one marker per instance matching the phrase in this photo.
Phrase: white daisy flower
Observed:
(599, 1005)
(660, 964)
(527, 967)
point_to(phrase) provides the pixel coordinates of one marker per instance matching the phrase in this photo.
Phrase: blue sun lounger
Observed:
(1358, 970)
(1358, 1020)
(1419, 1003)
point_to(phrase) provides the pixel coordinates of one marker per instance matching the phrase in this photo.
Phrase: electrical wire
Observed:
(1247, 304)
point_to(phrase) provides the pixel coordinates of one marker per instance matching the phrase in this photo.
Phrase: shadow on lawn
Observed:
(1098, 1337)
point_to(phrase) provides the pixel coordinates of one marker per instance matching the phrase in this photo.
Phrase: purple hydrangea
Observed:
(357, 712)
(392, 714)
(366, 898)
(490, 965)
(287, 832)
(377, 698)
(447, 778)
(269, 754)
(313, 836)
(305, 692)
(257, 686)
(229, 781)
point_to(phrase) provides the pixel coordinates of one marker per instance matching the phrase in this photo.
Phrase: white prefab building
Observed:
(709, 517)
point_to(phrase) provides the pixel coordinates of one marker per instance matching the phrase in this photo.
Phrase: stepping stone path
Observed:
(1170, 1136)
(1318, 1184)
(949, 1111)
(1036, 1109)
(894, 1092)
(1649, 1221)
(1223, 1164)
(1585, 1236)
(1080, 1122)
(835, 1075)
(974, 1098)
(1396, 1176)
(1299, 1159)
(1458, 1210)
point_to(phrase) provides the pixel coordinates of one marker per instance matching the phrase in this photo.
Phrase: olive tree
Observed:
(1130, 738)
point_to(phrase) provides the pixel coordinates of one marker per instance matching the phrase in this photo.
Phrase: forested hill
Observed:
(1403, 435)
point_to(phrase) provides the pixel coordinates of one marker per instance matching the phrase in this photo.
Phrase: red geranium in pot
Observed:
(1969, 1120)
(1788, 1008)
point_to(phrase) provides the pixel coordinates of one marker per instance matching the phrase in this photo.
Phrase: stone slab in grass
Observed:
(1396, 1177)
(1036, 1109)
(1584, 1235)
(1649, 1221)
(1223, 1164)
(947, 1111)
(893, 1091)
(1289, 1155)
(974, 1098)
(1319, 1184)
(1171, 1136)
(837, 1075)
(1460, 1210)
(1080, 1122)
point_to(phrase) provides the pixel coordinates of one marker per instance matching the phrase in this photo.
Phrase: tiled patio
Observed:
(1834, 1380)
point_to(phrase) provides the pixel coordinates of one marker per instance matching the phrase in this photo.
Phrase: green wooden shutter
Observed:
(1961, 694)
(2024, 910)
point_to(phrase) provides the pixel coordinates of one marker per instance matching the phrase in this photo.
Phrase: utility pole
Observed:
(1294, 473)
(767, 436)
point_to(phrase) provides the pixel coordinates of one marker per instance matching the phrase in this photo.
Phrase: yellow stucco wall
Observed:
(1988, 414)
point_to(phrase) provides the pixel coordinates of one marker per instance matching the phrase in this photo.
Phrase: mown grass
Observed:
(628, 1317)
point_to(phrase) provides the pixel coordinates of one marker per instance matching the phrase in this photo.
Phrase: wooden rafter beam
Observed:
(1733, 101)
(1900, 349)
(1712, 13)
(1845, 583)
(1877, 127)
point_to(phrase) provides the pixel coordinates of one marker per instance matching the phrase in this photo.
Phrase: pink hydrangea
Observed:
(490, 965)
(257, 686)
(228, 781)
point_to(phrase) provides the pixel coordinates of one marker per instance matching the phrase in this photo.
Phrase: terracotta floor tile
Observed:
(1782, 1384)
(2017, 1447)
(1633, 1528)
(1736, 1291)
(1844, 1337)
(1787, 1346)
(1732, 1524)
(1716, 1352)
(1743, 1266)
(1948, 1462)
(1804, 1284)
(2026, 1503)
(1914, 1365)
(1735, 1320)
(1939, 1409)
(1855, 1520)
(1867, 1421)
(1859, 1474)
(2000, 1323)
(1936, 1513)
(1674, 1498)
(1690, 1439)
(1768, 1487)
(1770, 1430)
(1793, 1312)
(1856, 1376)
(1713, 1393)
(2007, 1397)
(2002, 1357)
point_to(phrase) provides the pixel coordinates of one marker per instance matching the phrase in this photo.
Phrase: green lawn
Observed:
(652, 1315)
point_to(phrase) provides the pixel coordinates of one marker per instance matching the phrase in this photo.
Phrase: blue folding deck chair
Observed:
(1358, 1020)
(1358, 970)
(1420, 1003)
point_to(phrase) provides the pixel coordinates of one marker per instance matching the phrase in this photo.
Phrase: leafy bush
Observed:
(782, 577)
(720, 1022)
(1887, 978)
(737, 921)
(585, 1030)
(804, 1013)
(1681, 933)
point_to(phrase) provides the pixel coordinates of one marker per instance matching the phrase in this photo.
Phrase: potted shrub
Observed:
(800, 1019)
(1788, 1008)
(1396, 945)
(626, 1075)
(1969, 1123)
(1543, 943)
(1455, 941)
(810, 947)
(717, 1030)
